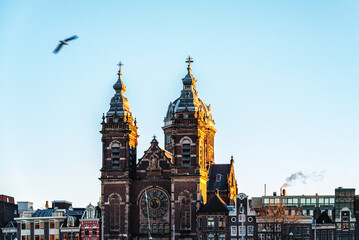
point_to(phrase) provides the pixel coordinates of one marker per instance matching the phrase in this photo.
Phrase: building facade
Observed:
(50, 223)
(90, 223)
(8, 211)
(157, 196)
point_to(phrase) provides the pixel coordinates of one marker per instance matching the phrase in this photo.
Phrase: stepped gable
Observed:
(214, 205)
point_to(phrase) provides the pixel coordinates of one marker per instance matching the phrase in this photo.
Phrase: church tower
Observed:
(189, 133)
(119, 143)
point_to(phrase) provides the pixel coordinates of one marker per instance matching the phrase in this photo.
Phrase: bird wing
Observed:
(71, 38)
(57, 49)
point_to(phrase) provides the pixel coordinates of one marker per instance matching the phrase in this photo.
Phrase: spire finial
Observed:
(120, 64)
(189, 61)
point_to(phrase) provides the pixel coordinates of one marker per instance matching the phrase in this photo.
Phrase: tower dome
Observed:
(119, 103)
(188, 102)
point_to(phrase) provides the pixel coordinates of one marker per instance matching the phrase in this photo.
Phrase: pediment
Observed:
(155, 159)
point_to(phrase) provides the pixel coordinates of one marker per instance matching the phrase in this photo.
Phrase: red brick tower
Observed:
(189, 133)
(119, 142)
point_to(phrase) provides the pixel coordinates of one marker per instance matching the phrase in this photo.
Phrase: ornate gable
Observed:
(156, 162)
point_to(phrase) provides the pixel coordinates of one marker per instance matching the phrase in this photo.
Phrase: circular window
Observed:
(233, 219)
(250, 219)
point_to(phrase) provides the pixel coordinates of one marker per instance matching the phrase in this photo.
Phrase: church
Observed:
(158, 196)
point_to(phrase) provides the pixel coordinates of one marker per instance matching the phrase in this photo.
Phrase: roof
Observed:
(11, 224)
(44, 212)
(324, 218)
(214, 205)
(76, 221)
(48, 212)
(189, 102)
(222, 184)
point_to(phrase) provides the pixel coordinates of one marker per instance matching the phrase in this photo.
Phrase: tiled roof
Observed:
(222, 184)
(214, 205)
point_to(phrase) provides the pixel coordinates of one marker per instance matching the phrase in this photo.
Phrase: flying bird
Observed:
(64, 42)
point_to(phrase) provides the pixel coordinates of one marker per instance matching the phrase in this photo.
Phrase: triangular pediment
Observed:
(155, 160)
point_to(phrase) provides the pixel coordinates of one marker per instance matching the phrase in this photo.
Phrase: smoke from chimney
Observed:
(300, 176)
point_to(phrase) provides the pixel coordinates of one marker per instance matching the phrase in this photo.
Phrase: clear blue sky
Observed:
(281, 76)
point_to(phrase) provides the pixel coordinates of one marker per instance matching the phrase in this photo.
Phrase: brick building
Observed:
(159, 195)
(212, 219)
(90, 223)
(48, 224)
(8, 210)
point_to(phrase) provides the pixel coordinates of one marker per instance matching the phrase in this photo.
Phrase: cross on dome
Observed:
(120, 64)
(189, 60)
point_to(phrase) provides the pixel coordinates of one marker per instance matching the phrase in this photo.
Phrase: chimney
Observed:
(47, 204)
(274, 194)
(284, 192)
(265, 189)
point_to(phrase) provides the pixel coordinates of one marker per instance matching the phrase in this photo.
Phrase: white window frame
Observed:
(233, 230)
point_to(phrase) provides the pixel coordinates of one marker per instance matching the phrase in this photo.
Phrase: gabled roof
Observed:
(323, 218)
(222, 184)
(214, 205)
(155, 158)
(11, 224)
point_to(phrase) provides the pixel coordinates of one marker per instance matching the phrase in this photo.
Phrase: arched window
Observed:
(115, 155)
(70, 221)
(185, 211)
(114, 212)
(186, 153)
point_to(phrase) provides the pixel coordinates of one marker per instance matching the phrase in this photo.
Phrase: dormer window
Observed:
(186, 153)
(115, 155)
(218, 177)
(71, 221)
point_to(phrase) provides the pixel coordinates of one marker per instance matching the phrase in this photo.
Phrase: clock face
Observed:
(155, 205)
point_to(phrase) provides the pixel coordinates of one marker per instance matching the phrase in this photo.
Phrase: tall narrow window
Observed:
(115, 155)
(114, 212)
(210, 223)
(221, 223)
(185, 207)
(143, 228)
(186, 153)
